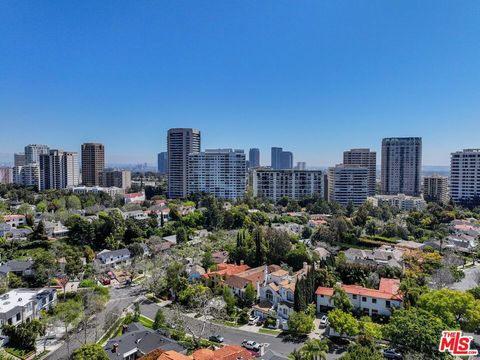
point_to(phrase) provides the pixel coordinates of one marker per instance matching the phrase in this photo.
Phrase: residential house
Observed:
(138, 341)
(256, 276)
(20, 305)
(386, 255)
(14, 221)
(368, 301)
(17, 267)
(106, 259)
(227, 352)
(134, 198)
(223, 272)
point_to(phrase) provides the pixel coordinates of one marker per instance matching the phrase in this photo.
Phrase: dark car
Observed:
(216, 338)
(392, 354)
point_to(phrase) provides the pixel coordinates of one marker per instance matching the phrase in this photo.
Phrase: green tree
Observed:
(341, 300)
(73, 202)
(343, 323)
(455, 308)
(314, 349)
(44, 267)
(300, 324)
(415, 329)
(69, 313)
(250, 295)
(24, 335)
(261, 247)
(230, 301)
(182, 236)
(90, 352)
(207, 259)
(359, 352)
(159, 322)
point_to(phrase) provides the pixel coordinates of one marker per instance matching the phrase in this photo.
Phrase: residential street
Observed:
(471, 279)
(231, 335)
(119, 300)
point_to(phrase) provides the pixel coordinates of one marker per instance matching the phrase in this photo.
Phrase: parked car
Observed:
(251, 345)
(216, 338)
(253, 320)
(324, 321)
(392, 354)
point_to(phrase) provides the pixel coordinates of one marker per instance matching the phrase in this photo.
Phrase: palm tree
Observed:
(314, 349)
(296, 355)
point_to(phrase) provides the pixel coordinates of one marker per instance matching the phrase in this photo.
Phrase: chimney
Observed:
(115, 348)
(241, 262)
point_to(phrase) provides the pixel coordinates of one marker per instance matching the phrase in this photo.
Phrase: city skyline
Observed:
(314, 78)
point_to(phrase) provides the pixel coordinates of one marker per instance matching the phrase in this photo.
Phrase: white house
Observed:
(368, 301)
(107, 259)
(14, 221)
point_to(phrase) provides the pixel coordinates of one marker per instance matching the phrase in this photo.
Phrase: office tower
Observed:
(220, 172)
(254, 158)
(365, 158)
(286, 160)
(6, 175)
(293, 184)
(58, 169)
(465, 175)
(118, 178)
(281, 159)
(163, 162)
(18, 159)
(33, 152)
(180, 143)
(402, 166)
(348, 183)
(93, 163)
(276, 158)
(301, 165)
(435, 188)
(27, 175)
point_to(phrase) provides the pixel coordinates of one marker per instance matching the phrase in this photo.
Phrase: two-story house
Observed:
(368, 301)
(107, 259)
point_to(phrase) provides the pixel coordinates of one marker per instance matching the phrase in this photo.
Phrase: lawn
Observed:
(269, 331)
(20, 353)
(148, 323)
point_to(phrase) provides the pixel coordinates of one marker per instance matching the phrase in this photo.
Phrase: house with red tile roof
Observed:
(369, 301)
(228, 352)
(223, 272)
(256, 276)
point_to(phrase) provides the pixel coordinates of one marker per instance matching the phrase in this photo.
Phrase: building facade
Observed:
(402, 166)
(33, 152)
(180, 143)
(220, 172)
(162, 163)
(293, 184)
(348, 184)
(465, 175)
(18, 159)
(58, 169)
(400, 201)
(364, 158)
(27, 175)
(117, 178)
(93, 163)
(6, 175)
(254, 158)
(280, 159)
(435, 188)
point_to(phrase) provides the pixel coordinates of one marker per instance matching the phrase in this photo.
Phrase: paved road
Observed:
(231, 335)
(471, 279)
(119, 299)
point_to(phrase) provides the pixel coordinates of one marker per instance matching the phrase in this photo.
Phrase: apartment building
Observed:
(281, 160)
(401, 166)
(162, 163)
(33, 152)
(180, 143)
(18, 159)
(400, 201)
(293, 184)
(465, 175)
(254, 158)
(118, 178)
(379, 301)
(435, 188)
(364, 158)
(6, 175)
(27, 175)
(220, 172)
(58, 169)
(348, 184)
(93, 163)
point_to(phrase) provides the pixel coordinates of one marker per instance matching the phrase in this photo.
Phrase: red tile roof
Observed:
(388, 290)
(227, 270)
(252, 276)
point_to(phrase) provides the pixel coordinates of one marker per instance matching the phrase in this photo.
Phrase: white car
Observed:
(251, 345)
(252, 320)
(324, 321)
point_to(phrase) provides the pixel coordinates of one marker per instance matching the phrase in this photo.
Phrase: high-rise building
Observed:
(293, 184)
(220, 172)
(33, 152)
(465, 175)
(27, 175)
(402, 166)
(435, 188)
(280, 159)
(18, 159)
(117, 178)
(6, 175)
(58, 169)
(93, 163)
(180, 143)
(163, 163)
(254, 158)
(348, 183)
(365, 158)
(301, 165)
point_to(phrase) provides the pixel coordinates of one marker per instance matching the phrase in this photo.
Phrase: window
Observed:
(354, 297)
(387, 303)
(364, 299)
(18, 317)
(269, 295)
(374, 301)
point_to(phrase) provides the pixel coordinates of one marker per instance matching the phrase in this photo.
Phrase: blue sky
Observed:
(316, 77)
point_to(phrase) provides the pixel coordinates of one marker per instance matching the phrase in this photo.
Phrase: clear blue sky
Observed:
(316, 77)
